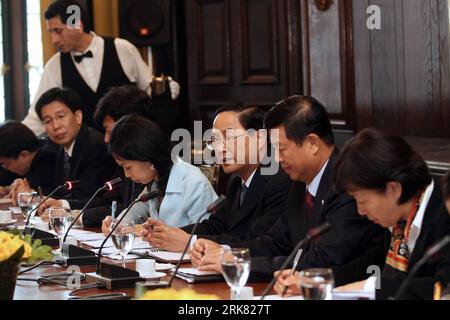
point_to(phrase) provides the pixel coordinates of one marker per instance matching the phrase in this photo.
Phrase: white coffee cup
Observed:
(145, 267)
(5, 216)
(246, 293)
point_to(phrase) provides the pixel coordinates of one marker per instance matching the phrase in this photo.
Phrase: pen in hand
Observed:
(294, 266)
(113, 212)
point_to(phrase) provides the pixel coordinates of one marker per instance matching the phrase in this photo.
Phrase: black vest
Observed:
(112, 75)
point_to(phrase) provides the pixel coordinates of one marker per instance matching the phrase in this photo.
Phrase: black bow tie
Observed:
(80, 57)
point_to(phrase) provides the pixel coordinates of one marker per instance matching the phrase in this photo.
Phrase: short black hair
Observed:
(446, 186)
(121, 101)
(64, 95)
(136, 138)
(15, 137)
(301, 116)
(58, 8)
(250, 117)
(372, 159)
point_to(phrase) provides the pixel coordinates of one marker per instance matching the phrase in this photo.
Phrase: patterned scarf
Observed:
(398, 255)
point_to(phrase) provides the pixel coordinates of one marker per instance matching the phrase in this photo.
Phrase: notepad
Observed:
(192, 275)
(166, 256)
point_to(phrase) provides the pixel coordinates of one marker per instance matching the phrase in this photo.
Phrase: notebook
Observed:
(192, 275)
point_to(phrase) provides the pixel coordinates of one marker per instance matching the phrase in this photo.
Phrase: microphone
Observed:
(143, 198)
(68, 185)
(431, 252)
(74, 255)
(212, 208)
(108, 186)
(312, 235)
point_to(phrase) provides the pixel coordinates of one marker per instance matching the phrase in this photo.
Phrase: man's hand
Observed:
(19, 185)
(292, 282)
(43, 209)
(200, 248)
(106, 225)
(162, 236)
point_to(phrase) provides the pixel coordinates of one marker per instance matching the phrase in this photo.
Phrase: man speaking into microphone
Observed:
(307, 154)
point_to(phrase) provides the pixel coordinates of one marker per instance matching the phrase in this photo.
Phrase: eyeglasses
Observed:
(216, 141)
(58, 117)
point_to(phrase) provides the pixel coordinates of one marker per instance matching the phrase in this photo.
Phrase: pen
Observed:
(294, 266)
(113, 211)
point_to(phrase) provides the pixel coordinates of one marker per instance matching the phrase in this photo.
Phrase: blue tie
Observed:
(244, 190)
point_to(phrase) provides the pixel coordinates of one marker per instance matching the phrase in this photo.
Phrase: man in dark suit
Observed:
(255, 195)
(393, 187)
(82, 155)
(32, 159)
(307, 154)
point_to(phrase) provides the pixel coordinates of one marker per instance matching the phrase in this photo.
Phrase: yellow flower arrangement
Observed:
(33, 251)
(10, 244)
(172, 294)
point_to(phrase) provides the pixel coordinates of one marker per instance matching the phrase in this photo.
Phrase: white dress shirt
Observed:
(90, 69)
(314, 185)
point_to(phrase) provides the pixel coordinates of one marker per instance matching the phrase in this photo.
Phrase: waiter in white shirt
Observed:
(87, 63)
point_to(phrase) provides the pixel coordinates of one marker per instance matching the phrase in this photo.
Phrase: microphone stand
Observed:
(312, 234)
(46, 237)
(212, 208)
(74, 255)
(112, 276)
(429, 254)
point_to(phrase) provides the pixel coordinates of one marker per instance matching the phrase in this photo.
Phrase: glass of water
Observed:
(60, 219)
(316, 284)
(28, 201)
(123, 238)
(236, 268)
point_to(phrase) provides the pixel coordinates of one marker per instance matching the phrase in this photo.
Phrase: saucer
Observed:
(155, 276)
(8, 223)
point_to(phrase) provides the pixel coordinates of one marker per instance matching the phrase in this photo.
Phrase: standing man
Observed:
(87, 63)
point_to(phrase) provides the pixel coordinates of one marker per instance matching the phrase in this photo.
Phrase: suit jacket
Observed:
(350, 236)
(42, 169)
(124, 195)
(261, 207)
(435, 225)
(90, 163)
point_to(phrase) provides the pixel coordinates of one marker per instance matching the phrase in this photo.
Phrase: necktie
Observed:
(80, 57)
(66, 167)
(244, 190)
(309, 201)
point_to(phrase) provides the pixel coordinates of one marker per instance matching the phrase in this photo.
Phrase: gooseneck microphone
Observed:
(312, 234)
(438, 246)
(108, 186)
(68, 185)
(212, 208)
(143, 198)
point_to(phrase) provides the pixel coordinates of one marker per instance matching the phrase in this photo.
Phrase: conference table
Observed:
(29, 290)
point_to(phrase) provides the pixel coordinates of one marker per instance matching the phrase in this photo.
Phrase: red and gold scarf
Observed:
(398, 255)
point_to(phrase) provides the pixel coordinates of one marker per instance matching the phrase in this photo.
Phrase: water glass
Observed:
(316, 284)
(60, 220)
(123, 238)
(235, 268)
(28, 201)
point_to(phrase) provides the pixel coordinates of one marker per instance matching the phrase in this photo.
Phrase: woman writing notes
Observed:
(142, 150)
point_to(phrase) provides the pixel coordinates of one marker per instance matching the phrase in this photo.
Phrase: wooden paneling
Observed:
(328, 59)
(259, 41)
(402, 71)
(240, 51)
(213, 42)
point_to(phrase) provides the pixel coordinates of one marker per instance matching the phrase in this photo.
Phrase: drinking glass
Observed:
(123, 238)
(60, 219)
(316, 284)
(28, 201)
(235, 268)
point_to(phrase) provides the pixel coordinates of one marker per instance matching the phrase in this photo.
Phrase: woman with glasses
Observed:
(142, 150)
